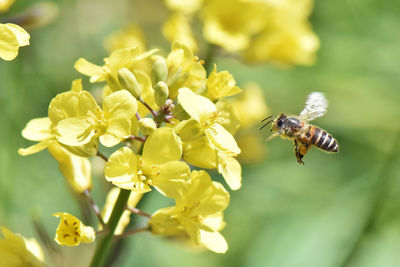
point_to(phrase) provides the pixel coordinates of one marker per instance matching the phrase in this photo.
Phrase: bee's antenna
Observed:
(266, 124)
(266, 118)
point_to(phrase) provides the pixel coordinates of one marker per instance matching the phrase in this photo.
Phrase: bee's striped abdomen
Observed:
(322, 139)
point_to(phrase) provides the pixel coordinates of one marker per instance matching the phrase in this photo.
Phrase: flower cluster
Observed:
(257, 30)
(163, 116)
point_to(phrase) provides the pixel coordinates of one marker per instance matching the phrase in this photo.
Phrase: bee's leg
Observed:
(297, 152)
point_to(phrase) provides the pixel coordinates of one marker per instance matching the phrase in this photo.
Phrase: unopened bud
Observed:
(147, 125)
(128, 81)
(161, 93)
(159, 71)
(180, 113)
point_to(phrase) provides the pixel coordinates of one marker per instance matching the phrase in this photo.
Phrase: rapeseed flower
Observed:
(71, 231)
(198, 212)
(12, 37)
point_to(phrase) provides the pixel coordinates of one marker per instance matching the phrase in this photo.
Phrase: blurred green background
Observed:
(337, 210)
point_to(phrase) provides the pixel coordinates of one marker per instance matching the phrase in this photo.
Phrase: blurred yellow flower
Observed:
(177, 28)
(131, 36)
(71, 231)
(111, 199)
(198, 212)
(5, 5)
(12, 37)
(184, 6)
(16, 251)
(159, 165)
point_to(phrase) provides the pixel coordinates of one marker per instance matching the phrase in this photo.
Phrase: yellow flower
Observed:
(12, 37)
(5, 5)
(177, 28)
(184, 6)
(198, 212)
(205, 119)
(80, 120)
(184, 70)
(111, 198)
(159, 166)
(221, 84)
(15, 251)
(71, 231)
(76, 169)
(131, 36)
(231, 23)
(130, 58)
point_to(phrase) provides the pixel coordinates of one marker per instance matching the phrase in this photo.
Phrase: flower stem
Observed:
(147, 106)
(94, 206)
(132, 232)
(138, 212)
(209, 57)
(103, 245)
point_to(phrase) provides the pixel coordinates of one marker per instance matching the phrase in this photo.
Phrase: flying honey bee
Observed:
(304, 135)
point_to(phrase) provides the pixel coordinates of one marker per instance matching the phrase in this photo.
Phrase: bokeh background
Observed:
(337, 210)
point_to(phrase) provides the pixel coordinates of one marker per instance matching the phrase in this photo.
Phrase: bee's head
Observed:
(278, 123)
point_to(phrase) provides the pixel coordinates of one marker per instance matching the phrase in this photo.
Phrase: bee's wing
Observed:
(316, 106)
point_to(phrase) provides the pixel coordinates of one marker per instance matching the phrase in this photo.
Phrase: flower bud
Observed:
(128, 81)
(159, 71)
(147, 126)
(161, 93)
(180, 113)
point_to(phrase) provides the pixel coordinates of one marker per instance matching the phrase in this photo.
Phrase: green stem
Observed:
(103, 245)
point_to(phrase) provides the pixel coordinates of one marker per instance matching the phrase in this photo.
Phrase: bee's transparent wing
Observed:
(316, 106)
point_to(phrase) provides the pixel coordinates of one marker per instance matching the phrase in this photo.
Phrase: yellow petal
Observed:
(163, 222)
(77, 86)
(118, 129)
(189, 130)
(77, 170)
(230, 118)
(184, 6)
(95, 72)
(38, 129)
(221, 139)
(5, 5)
(11, 38)
(231, 170)
(162, 146)
(171, 178)
(35, 148)
(15, 251)
(75, 131)
(214, 241)
(200, 154)
(120, 104)
(20, 33)
(198, 107)
(73, 104)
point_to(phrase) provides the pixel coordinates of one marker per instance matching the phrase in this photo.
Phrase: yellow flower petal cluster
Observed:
(71, 231)
(258, 30)
(163, 118)
(75, 168)
(198, 212)
(5, 5)
(17, 251)
(159, 165)
(12, 37)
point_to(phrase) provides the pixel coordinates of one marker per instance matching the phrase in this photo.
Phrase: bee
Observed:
(304, 135)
